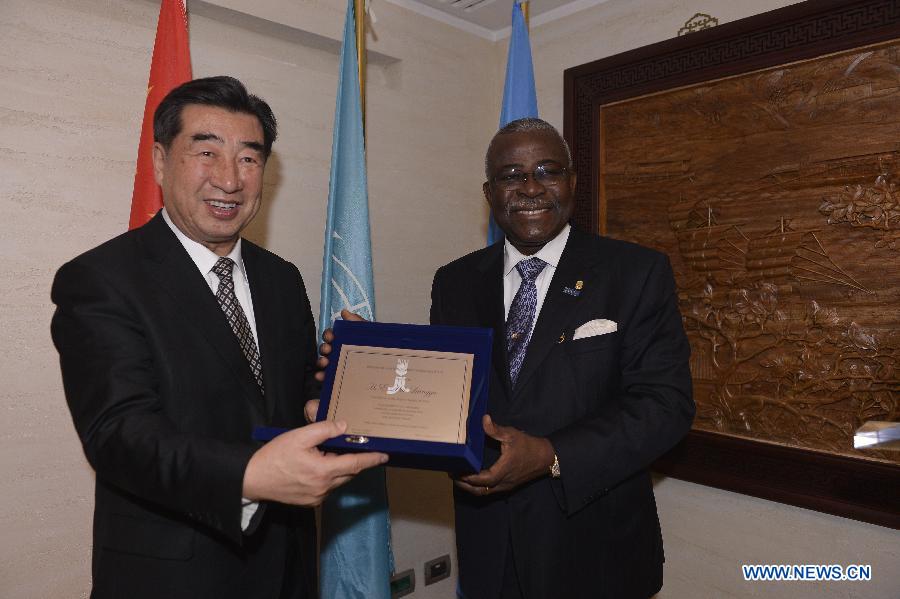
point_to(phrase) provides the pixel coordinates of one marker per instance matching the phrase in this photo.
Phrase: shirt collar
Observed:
(202, 256)
(550, 253)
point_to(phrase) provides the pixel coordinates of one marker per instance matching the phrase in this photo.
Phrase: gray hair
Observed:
(522, 126)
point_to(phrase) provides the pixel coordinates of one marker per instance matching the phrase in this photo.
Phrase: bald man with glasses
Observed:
(590, 385)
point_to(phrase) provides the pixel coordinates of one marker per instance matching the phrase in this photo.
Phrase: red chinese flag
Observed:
(170, 67)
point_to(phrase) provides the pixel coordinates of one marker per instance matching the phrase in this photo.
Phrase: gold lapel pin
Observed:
(579, 284)
(562, 338)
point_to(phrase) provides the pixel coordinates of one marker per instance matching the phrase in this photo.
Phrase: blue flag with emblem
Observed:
(519, 97)
(356, 560)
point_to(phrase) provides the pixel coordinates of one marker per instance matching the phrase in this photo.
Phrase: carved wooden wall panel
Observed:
(763, 156)
(776, 195)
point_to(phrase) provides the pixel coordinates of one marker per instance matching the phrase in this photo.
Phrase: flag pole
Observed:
(359, 12)
(525, 13)
(519, 96)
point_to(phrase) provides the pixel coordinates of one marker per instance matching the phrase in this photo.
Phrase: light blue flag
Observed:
(356, 560)
(519, 97)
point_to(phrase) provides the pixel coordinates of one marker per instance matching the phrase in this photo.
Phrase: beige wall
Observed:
(72, 78)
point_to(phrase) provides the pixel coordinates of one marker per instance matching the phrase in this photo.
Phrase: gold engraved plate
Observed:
(417, 395)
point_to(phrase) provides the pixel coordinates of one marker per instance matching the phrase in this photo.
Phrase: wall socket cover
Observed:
(403, 583)
(437, 569)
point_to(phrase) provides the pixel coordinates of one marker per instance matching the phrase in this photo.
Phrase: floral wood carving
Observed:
(876, 206)
(774, 194)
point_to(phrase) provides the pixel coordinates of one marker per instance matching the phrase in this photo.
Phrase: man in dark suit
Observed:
(590, 385)
(175, 340)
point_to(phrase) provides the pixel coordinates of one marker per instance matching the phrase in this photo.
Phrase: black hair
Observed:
(222, 92)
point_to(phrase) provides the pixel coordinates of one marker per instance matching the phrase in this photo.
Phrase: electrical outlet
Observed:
(403, 583)
(437, 569)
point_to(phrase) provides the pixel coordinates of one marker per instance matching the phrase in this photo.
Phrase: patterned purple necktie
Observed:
(521, 315)
(237, 319)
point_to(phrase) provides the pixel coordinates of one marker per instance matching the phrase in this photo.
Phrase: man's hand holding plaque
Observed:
(523, 458)
(325, 349)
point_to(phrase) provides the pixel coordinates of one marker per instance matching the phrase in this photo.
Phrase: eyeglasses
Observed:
(547, 175)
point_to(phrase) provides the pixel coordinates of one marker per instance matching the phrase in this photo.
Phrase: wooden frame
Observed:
(844, 486)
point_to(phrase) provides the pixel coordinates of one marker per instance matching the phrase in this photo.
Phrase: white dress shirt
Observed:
(550, 253)
(206, 259)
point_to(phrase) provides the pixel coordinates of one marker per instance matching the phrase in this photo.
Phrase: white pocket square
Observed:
(592, 328)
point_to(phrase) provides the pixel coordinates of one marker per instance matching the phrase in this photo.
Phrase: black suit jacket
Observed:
(164, 403)
(610, 405)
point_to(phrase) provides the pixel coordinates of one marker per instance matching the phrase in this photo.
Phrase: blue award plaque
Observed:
(414, 392)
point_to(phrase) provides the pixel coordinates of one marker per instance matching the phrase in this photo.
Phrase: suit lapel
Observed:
(559, 308)
(173, 271)
(264, 298)
(491, 312)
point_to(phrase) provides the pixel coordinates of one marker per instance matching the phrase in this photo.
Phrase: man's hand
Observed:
(522, 458)
(325, 348)
(291, 469)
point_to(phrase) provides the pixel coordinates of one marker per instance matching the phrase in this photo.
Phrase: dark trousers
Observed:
(510, 589)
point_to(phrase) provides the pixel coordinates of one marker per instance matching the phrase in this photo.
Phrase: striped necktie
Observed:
(237, 319)
(521, 315)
